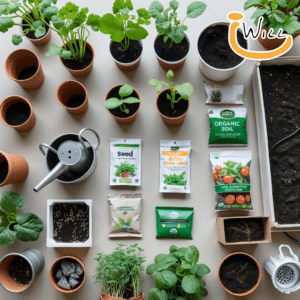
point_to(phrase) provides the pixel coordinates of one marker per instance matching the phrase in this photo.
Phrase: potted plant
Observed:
(172, 44)
(26, 227)
(33, 24)
(123, 103)
(18, 270)
(278, 15)
(178, 275)
(71, 24)
(126, 33)
(168, 104)
(125, 169)
(119, 273)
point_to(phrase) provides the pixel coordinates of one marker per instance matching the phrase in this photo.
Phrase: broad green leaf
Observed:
(157, 294)
(3, 218)
(291, 4)
(129, 4)
(129, 220)
(166, 12)
(49, 12)
(17, 39)
(69, 11)
(185, 265)
(131, 100)
(57, 22)
(125, 90)
(118, 4)
(174, 5)
(190, 284)
(6, 23)
(173, 248)
(195, 9)
(176, 35)
(53, 50)
(111, 104)
(170, 75)
(155, 9)
(11, 202)
(192, 255)
(94, 21)
(44, 4)
(180, 298)
(143, 13)
(181, 252)
(151, 269)
(14, 8)
(183, 27)
(185, 90)
(153, 82)
(135, 31)
(163, 26)
(66, 54)
(113, 26)
(164, 261)
(251, 3)
(165, 279)
(4, 9)
(202, 270)
(39, 29)
(124, 11)
(54, 1)
(292, 27)
(203, 292)
(7, 237)
(279, 16)
(282, 3)
(258, 13)
(159, 88)
(201, 282)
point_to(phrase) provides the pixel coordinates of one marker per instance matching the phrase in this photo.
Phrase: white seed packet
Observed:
(125, 162)
(224, 94)
(175, 171)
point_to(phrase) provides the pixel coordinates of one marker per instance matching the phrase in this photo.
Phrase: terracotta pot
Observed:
(173, 65)
(83, 72)
(259, 274)
(51, 275)
(21, 59)
(68, 89)
(108, 297)
(17, 168)
(171, 121)
(127, 120)
(125, 174)
(6, 103)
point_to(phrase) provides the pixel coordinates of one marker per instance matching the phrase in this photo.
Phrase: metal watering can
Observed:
(70, 158)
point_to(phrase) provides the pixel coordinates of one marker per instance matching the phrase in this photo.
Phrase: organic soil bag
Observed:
(224, 94)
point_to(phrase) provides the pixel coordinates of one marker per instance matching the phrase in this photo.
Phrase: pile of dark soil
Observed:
(20, 271)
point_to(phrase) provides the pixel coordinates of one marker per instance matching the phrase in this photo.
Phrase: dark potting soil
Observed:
(70, 222)
(241, 230)
(164, 106)
(239, 273)
(215, 50)
(19, 270)
(27, 72)
(75, 101)
(3, 170)
(176, 52)
(117, 111)
(132, 54)
(17, 114)
(30, 34)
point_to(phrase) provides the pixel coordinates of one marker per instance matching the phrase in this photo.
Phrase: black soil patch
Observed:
(117, 111)
(27, 72)
(244, 230)
(174, 53)
(20, 271)
(133, 53)
(239, 273)
(31, 34)
(76, 101)
(17, 114)
(70, 222)
(214, 48)
(3, 170)
(77, 65)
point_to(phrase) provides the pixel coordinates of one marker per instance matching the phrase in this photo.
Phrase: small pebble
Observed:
(73, 282)
(75, 276)
(64, 284)
(79, 269)
(68, 267)
(58, 274)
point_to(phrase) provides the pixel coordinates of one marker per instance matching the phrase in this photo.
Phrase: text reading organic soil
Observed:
(20, 270)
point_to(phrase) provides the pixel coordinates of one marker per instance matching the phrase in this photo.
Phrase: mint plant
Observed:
(125, 167)
(279, 14)
(174, 179)
(125, 91)
(167, 23)
(184, 90)
(26, 227)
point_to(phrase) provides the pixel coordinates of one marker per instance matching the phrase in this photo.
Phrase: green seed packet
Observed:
(174, 222)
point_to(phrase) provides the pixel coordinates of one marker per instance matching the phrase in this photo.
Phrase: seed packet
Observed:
(224, 94)
(231, 175)
(228, 127)
(174, 222)
(175, 166)
(125, 213)
(125, 162)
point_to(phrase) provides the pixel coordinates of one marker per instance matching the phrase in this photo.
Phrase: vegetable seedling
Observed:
(125, 91)
(185, 90)
(168, 25)
(125, 167)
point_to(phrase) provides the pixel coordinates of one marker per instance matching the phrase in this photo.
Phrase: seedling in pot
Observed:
(125, 167)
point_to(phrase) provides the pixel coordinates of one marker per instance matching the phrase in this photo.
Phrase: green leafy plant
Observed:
(184, 90)
(125, 167)
(123, 224)
(279, 14)
(175, 179)
(168, 25)
(216, 96)
(122, 26)
(232, 169)
(26, 227)
(125, 91)
(178, 275)
(119, 273)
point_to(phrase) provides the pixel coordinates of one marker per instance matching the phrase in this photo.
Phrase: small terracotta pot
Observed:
(259, 274)
(125, 174)
(21, 59)
(51, 274)
(171, 121)
(108, 297)
(17, 168)
(87, 70)
(127, 120)
(6, 103)
(68, 89)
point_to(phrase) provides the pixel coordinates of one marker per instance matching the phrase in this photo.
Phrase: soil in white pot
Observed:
(17, 114)
(19, 270)
(131, 54)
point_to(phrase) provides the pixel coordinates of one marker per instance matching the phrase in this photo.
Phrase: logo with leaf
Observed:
(124, 225)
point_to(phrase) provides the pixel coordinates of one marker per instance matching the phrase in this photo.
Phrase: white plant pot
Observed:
(51, 243)
(216, 74)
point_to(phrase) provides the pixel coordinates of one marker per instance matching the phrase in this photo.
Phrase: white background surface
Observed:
(53, 120)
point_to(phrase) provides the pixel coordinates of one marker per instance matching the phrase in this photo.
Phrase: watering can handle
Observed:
(96, 146)
(291, 252)
(47, 146)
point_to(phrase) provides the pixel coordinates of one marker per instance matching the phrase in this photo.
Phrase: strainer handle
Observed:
(291, 252)
(47, 146)
(96, 146)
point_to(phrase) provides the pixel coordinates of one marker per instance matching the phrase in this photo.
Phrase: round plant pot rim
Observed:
(176, 61)
(20, 98)
(258, 280)
(216, 69)
(116, 86)
(129, 63)
(102, 293)
(41, 38)
(293, 35)
(51, 275)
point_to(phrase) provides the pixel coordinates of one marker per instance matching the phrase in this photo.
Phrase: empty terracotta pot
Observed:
(70, 94)
(108, 297)
(21, 60)
(7, 103)
(13, 168)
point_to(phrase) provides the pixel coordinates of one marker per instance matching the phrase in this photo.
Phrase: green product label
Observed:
(227, 114)
(232, 188)
(127, 145)
(125, 180)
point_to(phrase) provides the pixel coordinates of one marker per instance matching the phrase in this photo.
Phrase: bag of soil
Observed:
(174, 222)
(125, 213)
(228, 127)
(231, 174)
(224, 94)
(175, 166)
(125, 162)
